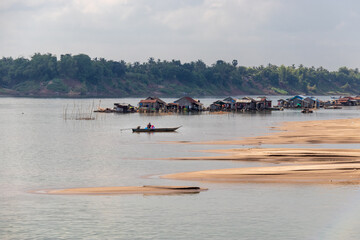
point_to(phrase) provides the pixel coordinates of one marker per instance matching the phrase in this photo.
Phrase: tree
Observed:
(109, 77)
(118, 69)
(282, 74)
(19, 71)
(43, 67)
(67, 66)
(234, 62)
(84, 67)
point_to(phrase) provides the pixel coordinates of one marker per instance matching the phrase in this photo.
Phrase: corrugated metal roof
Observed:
(191, 100)
(148, 101)
(243, 101)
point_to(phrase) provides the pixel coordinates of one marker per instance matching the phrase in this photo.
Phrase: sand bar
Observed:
(302, 165)
(283, 155)
(339, 131)
(314, 173)
(148, 190)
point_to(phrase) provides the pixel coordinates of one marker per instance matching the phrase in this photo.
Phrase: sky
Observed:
(254, 32)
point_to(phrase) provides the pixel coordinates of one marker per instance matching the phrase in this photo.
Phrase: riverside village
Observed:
(187, 104)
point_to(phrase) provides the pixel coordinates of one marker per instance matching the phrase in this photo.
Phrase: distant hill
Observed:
(80, 76)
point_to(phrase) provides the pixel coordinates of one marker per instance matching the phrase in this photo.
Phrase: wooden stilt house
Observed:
(152, 104)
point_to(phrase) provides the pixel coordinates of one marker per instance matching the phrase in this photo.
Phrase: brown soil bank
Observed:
(148, 190)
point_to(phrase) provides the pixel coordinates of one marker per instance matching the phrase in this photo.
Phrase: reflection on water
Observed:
(39, 150)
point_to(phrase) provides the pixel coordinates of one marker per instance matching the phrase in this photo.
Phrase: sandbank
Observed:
(283, 155)
(148, 190)
(315, 173)
(339, 131)
(298, 165)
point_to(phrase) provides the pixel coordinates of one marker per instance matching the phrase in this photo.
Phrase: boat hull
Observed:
(138, 130)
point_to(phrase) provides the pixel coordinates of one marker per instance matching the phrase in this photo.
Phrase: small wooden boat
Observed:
(332, 107)
(307, 110)
(155, 129)
(275, 108)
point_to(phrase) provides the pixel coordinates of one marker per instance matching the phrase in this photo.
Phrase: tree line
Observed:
(82, 75)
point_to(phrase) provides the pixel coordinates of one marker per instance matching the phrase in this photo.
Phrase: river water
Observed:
(40, 150)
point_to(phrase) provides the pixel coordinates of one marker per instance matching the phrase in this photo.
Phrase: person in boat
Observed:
(148, 126)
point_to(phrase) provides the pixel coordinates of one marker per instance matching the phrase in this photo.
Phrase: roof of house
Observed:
(298, 97)
(243, 101)
(155, 98)
(261, 99)
(220, 102)
(248, 98)
(189, 99)
(229, 99)
(346, 98)
(149, 101)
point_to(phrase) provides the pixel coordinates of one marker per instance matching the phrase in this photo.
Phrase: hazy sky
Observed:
(310, 32)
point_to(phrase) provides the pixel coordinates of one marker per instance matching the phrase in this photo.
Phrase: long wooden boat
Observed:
(155, 129)
(332, 107)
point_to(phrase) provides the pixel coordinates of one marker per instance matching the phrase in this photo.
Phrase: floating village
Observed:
(245, 104)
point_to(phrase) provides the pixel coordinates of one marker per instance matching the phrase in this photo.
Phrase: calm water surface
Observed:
(40, 150)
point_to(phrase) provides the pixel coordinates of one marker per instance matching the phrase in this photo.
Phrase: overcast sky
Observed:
(255, 32)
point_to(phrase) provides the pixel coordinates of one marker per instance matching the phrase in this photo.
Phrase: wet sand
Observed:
(148, 190)
(303, 165)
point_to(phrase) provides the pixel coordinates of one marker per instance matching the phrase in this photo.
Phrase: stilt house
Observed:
(189, 104)
(152, 104)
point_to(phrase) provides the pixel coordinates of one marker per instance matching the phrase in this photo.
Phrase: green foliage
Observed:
(67, 67)
(27, 86)
(57, 85)
(311, 88)
(85, 76)
(84, 68)
(43, 67)
(279, 91)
